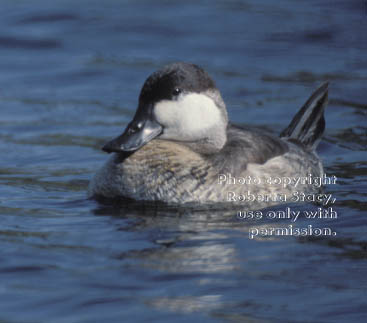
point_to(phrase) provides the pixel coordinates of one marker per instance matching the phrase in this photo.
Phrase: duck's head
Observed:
(180, 103)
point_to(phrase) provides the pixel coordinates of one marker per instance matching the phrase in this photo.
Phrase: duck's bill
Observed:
(137, 134)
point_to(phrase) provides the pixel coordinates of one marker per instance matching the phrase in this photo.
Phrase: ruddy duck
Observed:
(180, 148)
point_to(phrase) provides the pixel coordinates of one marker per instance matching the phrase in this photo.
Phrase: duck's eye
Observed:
(176, 91)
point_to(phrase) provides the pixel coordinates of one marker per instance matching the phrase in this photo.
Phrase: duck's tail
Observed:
(308, 124)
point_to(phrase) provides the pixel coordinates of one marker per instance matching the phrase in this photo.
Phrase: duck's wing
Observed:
(247, 145)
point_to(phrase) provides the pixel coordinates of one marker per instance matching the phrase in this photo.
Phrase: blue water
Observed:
(70, 75)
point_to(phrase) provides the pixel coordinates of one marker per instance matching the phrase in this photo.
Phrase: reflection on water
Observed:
(70, 76)
(207, 247)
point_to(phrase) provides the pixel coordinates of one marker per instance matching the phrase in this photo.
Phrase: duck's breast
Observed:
(161, 170)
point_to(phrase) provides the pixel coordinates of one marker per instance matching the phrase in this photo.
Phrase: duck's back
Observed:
(246, 145)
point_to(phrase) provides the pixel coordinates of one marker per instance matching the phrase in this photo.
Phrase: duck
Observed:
(180, 148)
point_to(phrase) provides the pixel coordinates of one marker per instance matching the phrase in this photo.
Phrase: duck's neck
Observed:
(213, 143)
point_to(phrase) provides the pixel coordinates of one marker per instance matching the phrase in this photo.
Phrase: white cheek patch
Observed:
(188, 117)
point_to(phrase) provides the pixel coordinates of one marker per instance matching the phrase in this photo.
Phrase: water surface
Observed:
(70, 76)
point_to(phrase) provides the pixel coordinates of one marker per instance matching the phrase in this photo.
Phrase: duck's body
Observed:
(170, 172)
(214, 158)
